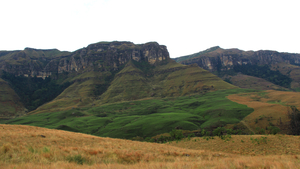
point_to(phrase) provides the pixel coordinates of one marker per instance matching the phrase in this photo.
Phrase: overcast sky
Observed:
(185, 26)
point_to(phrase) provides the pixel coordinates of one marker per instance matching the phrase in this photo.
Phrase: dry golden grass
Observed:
(246, 144)
(34, 147)
(268, 108)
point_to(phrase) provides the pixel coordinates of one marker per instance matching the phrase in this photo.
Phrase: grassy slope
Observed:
(24, 147)
(128, 84)
(292, 71)
(132, 83)
(251, 82)
(171, 79)
(80, 93)
(244, 145)
(10, 104)
(187, 80)
(145, 117)
(269, 107)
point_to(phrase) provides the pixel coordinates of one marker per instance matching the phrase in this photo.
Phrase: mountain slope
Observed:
(29, 62)
(10, 104)
(128, 84)
(278, 68)
(106, 72)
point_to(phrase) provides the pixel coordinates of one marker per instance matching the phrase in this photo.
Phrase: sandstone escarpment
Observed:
(110, 56)
(102, 56)
(225, 59)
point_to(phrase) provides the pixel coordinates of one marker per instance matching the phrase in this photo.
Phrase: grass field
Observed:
(146, 118)
(254, 145)
(270, 107)
(34, 147)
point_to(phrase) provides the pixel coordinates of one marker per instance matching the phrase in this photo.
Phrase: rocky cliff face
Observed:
(225, 59)
(110, 56)
(103, 56)
(226, 63)
(29, 62)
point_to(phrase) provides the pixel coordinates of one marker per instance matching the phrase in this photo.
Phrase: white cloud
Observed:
(185, 27)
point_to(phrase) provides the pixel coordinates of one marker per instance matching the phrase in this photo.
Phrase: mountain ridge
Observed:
(106, 72)
(225, 62)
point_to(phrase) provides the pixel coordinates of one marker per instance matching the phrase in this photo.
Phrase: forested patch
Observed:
(34, 91)
(266, 73)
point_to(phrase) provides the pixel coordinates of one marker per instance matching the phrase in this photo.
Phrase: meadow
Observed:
(146, 117)
(34, 147)
(271, 107)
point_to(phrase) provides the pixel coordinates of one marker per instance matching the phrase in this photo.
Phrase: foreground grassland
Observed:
(146, 118)
(34, 147)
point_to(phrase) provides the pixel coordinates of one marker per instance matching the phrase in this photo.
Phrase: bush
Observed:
(273, 129)
(294, 116)
(176, 134)
(219, 132)
(224, 134)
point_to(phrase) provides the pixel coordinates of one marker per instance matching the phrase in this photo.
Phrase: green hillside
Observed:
(136, 80)
(145, 118)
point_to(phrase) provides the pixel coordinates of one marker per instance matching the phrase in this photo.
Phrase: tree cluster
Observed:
(34, 91)
(294, 116)
(264, 72)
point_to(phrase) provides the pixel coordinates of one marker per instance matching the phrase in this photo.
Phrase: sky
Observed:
(185, 26)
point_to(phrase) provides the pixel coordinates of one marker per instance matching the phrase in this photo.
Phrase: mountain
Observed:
(10, 103)
(29, 62)
(104, 72)
(282, 70)
(125, 90)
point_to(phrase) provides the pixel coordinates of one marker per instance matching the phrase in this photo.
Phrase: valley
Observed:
(125, 105)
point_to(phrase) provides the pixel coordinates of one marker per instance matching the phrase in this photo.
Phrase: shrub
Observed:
(176, 134)
(294, 116)
(273, 129)
(219, 132)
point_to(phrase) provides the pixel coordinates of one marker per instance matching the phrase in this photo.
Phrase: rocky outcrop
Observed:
(102, 56)
(225, 59)
(110, 56)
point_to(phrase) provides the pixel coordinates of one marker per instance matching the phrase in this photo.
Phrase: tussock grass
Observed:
(75, 150)
(269, 107)
(254, 145)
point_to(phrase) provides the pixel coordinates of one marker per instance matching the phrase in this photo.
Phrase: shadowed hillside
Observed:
(10, 103)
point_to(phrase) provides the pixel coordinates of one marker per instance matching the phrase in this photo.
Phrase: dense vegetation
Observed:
(266, 73)
(34, 91)
(294, 116)
(146, 118)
